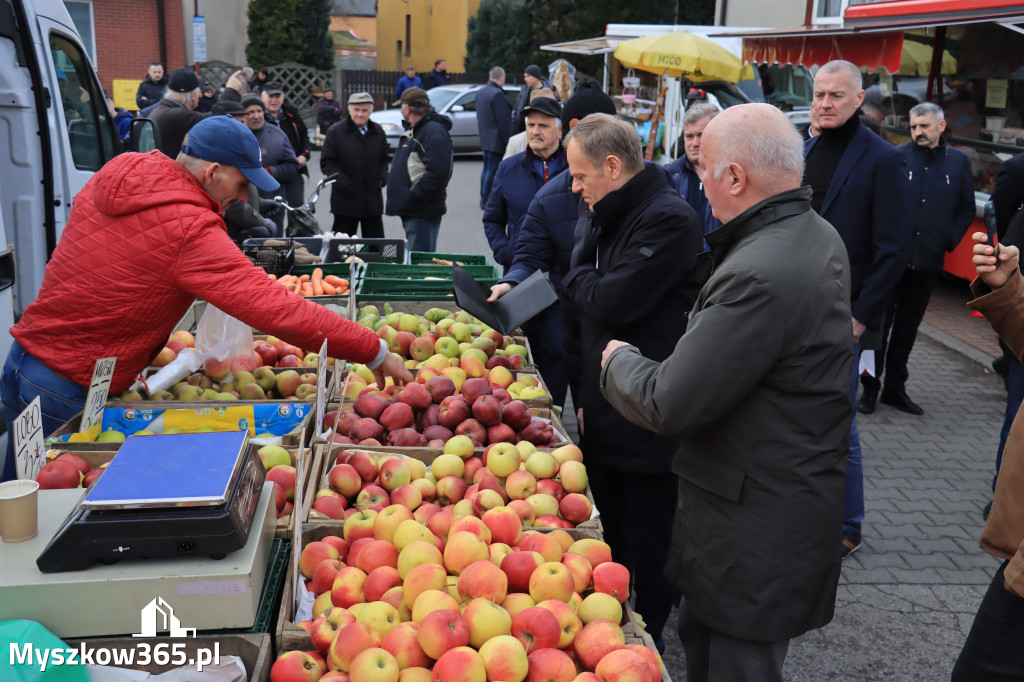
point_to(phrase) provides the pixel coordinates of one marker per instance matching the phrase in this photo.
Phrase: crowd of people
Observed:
(757, 263)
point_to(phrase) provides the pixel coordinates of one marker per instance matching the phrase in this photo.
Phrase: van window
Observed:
(85, 110)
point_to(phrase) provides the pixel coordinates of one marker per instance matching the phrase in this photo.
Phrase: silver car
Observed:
(457, 102)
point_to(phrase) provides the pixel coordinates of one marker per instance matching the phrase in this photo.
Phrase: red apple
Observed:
(536, 628)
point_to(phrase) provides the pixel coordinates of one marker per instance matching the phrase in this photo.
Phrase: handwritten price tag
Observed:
(322, 390)
(297, 516)
(29, 452)
(99, 387)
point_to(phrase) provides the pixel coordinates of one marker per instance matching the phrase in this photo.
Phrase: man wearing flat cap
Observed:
(420, 171)
(145, 239)
(175, 115)
(356, 151)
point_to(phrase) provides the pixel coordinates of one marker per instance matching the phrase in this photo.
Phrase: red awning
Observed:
(870, 50)
(929, 12)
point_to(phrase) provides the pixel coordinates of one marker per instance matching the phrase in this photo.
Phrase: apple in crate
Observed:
(295, 666)
(284, 476)
(58, 474)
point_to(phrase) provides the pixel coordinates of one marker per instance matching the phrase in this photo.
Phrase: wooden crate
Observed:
(254, 650)
(322, 464)
(290, 637)
(199, 307)
(149, 404)
(542, 401)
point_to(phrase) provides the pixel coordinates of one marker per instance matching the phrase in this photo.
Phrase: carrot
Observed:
(317, 281)
(336, 281)
(304, 278)
(329, 289)
(307, 289)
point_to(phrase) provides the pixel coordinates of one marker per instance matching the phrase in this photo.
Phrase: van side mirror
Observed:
(144, 136)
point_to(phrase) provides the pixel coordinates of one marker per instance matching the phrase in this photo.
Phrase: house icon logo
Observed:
(158, 615)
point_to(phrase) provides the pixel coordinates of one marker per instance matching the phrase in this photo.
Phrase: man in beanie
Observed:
(144, 240)
(420, 171)
(175, 115)
(534, 79)
(278, 155)
(493, 120)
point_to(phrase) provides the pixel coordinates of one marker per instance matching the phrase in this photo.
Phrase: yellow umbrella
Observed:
(916, 60)
(681, 54)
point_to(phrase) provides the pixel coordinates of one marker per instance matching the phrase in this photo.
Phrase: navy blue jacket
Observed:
(278, 157)
(683, 176)
(428, 142)
(150, 92)
(940, 186)
(493, 118)
(866, 203)
(404, 83)
(546, 233)
(435, 79)
(515, 185)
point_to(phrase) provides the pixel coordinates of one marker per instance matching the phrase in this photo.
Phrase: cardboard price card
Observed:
(322, 390)
(29, 453)
(99, 387)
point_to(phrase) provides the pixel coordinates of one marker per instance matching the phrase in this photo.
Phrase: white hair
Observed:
(774, 155)
(181, 97)
(851, 70)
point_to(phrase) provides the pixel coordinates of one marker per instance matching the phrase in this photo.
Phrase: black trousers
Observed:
(713, 656)
(899, 330)
(993, 648)
(373, 226)
(637, 511)
(544, 330)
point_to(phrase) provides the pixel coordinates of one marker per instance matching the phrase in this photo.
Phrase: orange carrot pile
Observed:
(316, 284)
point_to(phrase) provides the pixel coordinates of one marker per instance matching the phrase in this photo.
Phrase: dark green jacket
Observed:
(757, 393)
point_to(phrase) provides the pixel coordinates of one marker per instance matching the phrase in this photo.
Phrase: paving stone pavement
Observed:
(908, 597)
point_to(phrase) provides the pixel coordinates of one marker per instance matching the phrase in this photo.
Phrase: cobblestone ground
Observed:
(908, 596)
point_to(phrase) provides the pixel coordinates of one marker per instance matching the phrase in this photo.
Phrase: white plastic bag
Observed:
(224, 344)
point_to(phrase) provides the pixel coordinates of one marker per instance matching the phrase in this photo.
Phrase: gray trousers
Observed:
(713, 656)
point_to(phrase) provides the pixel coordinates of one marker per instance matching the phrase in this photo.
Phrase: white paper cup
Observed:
(19, 510)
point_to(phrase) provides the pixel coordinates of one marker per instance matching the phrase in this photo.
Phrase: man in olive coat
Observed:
(356, 150)
(756, 393)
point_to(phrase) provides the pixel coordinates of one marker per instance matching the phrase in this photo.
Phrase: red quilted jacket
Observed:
(143, 241)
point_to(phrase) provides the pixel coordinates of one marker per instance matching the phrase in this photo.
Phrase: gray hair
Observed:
(497, 72)
(928, 109)
(601, 135)
(843, 66)
(181, 97)
(772, 154)
(700, 111)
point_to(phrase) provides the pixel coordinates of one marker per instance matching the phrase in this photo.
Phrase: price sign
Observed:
(338, 366)
(297, 516)
(97, 396)
(322, 390)
(29, 452)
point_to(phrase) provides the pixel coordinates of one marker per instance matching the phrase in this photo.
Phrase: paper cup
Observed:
(19, 510)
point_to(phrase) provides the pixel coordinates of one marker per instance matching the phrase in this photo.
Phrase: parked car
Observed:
(906, 93)
(457, 102)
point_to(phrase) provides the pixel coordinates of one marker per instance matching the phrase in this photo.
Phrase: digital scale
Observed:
(163, 496)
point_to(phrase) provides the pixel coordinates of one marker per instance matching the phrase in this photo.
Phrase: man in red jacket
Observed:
(144, 240)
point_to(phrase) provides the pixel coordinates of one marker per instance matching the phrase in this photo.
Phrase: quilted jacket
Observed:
(143, 241)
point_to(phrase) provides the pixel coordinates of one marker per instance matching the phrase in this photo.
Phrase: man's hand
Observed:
(610, 348)
(394, 368)
(499, 290)
(994, 266)
(302, 160)
(858, 329)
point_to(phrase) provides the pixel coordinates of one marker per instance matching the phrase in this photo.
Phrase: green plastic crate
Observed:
(349, 271)
(417, 257)
(270, 595)
(399, 271)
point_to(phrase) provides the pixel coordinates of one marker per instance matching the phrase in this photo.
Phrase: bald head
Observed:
(750, 152)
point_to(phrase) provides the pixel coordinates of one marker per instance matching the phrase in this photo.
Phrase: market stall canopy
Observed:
(916, 60)
(910, 13)
(681, 54)
(868, 50)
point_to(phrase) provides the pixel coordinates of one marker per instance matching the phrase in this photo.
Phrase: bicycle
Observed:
(302, 219)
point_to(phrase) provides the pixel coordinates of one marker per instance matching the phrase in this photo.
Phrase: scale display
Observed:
(183, 494)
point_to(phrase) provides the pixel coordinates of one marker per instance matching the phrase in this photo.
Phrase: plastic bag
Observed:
(224, 344)
(21, 638)
(562, 75)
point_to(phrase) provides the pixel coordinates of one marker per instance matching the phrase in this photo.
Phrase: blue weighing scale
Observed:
(161, 496)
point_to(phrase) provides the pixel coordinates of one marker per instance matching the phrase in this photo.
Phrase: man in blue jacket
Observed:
(546, 241)
(517, 181)
(494, 121)
(858, 184)
(684, 173)
(941, 189)
(275, 149)
(409, 80)
(420, 171)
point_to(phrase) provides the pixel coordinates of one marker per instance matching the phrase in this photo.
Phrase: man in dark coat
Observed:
(685, 171)
(940, 183)
(546, 242)
(329, 111)
(420, 171)
(756, 394)
(633, 275)
(356, 150)
(285, 116)
(439, 76)
(152, 87)
(858, 183)
(534, 79)
(278, 155)
(494, 122)
(517, 181)
(175, 114)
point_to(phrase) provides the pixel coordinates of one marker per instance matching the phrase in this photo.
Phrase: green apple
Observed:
(274, 455)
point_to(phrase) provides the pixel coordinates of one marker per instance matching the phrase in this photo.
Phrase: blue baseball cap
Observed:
(224, 140)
